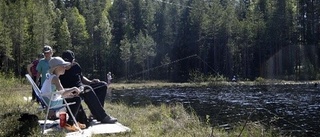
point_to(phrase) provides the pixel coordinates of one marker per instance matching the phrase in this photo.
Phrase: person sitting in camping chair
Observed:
(52, 84)
(96, 90)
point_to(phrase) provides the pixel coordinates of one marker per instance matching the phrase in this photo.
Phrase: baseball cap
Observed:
(46, 48)
(68, 55)
(55, 62)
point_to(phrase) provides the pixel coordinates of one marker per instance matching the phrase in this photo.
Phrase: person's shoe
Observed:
(109, 120)
(71, 128)
(82, 126)
(92, 117)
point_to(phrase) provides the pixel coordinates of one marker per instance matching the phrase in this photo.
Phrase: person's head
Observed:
(68, 56)
(47, 51)
(57, 65)
(40, 56)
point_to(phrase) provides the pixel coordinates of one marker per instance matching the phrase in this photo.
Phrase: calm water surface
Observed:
(293, 109)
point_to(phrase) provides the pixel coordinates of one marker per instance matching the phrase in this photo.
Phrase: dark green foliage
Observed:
(149, 39)
(21, 124)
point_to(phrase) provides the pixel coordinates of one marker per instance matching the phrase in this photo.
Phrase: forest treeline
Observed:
(167, 39)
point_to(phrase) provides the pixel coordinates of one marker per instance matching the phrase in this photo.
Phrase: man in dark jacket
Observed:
(96, 90)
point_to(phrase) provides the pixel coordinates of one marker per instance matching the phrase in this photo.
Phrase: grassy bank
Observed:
(146, 121)
(155, 84)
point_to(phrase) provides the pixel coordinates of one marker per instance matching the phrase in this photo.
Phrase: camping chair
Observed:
(47, 106)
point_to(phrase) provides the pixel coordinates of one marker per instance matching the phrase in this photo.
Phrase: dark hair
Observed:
(68, 56)
(40, 55)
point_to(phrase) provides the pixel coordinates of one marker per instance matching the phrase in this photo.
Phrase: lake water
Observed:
(293, 109)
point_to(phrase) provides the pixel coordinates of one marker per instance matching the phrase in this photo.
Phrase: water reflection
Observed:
(292, 108)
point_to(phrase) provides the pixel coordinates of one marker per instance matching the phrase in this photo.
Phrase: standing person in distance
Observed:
(43, 65)
(109, 94)
(32, 71)
(109, 78)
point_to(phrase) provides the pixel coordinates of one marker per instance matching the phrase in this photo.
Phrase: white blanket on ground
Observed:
(95, 128)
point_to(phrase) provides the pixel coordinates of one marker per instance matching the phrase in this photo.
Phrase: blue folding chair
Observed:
(47, 106)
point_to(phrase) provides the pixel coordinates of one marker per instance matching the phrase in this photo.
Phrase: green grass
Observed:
(146, 121)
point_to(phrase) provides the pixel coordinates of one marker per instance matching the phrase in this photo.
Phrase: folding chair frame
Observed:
(47, 106)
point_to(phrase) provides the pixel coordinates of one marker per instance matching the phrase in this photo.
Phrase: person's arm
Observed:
(65, 92)
(86, 81)
(38, 68)
(29, 68)
(38, 78)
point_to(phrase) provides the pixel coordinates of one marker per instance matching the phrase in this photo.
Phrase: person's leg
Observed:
(101, 91)
(82, 117)
(34, 96)
(74, 108)
(96, 108)
(94, 104)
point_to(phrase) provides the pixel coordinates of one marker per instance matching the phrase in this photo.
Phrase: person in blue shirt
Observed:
(43, 65)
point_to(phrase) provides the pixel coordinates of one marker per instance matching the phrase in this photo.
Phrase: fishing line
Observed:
(172, 62)
(207, 64)
(166, 64)
(245, 124)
